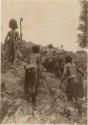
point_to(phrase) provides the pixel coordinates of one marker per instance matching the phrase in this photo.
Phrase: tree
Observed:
(82, 36)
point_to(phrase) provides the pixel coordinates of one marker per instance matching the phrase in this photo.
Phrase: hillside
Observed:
(50, 107)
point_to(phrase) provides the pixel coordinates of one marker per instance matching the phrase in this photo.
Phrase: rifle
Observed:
(21, 19)
(61, 53)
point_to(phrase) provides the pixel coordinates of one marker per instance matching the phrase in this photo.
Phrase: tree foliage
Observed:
(82, 36)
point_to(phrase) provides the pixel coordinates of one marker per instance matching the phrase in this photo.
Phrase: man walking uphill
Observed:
(32, 73)
(11, 40)
(72, 86)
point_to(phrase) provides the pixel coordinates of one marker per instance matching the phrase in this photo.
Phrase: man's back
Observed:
(13, 34)
(34, 58)
(70, 70)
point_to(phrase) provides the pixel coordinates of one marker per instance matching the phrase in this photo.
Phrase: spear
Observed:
(21, 19)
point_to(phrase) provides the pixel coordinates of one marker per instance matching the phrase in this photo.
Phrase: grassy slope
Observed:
(49, 108)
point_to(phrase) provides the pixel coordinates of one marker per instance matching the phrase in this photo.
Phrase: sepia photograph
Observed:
(44, 62)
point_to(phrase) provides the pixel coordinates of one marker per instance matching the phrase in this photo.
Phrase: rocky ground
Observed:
(50, 107)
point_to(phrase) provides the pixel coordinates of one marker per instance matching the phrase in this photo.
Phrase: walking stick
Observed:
(21, 19)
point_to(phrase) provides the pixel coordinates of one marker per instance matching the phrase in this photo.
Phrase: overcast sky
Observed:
(44, 21)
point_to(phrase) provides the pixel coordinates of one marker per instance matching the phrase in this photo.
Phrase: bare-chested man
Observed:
(11, 40)
(73, 89)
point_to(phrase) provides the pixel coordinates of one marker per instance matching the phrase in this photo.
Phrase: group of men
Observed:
(33, 70)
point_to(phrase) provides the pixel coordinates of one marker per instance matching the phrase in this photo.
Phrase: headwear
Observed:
(13, 24)
(50, 46)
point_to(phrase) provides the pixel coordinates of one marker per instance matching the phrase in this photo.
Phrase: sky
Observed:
(44, 21)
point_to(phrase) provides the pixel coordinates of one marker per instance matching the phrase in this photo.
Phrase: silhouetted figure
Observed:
(11, 40)
(74, 88)
(32, 73)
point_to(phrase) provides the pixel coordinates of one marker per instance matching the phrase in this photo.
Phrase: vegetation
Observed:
(83, 26)
(12, 78)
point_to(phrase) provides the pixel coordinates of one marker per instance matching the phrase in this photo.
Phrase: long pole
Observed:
(21, 19)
